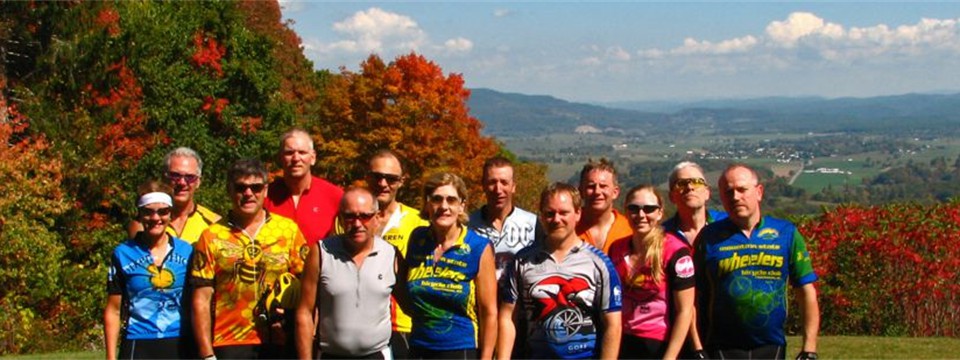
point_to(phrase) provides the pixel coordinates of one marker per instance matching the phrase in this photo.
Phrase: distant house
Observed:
(586, 129)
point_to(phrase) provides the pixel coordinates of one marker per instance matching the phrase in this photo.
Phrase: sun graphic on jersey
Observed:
(162, 278)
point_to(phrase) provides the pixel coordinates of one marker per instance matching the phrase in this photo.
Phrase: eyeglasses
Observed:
(148, 212)
(351, 217)
(391, 179)
(695, 183)
(647, 209)
(242, 188)
(439, 199)
(175, 177)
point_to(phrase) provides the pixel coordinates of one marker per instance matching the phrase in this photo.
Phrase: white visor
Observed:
(153, 198)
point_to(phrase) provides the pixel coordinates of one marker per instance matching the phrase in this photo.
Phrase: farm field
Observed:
(830, 347)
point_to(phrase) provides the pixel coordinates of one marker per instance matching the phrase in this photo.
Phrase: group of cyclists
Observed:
(301, 268)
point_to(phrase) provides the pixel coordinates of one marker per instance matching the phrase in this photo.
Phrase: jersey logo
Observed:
(684, 267)
(563, 304)
(768, 234)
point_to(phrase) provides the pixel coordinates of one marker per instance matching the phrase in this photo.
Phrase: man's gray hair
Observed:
(183, 151)
(682, 165)
(291, 133)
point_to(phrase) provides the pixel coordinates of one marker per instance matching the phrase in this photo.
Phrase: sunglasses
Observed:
(637, 208)
(242, 188)
(351, 217)
(175, 177)
(391, 179)
(696, 183)
(148, 212)
(439, 199)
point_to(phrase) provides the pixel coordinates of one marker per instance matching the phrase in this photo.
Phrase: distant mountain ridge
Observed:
(509, 114)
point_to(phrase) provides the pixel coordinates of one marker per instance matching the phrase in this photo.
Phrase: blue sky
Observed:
(646, 51)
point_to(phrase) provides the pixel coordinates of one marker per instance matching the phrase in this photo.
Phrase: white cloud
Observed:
(376, 30)
(501, 12)
(458, 45)
(291, 6)
(804, 38)
(617, 53)
(381, 32)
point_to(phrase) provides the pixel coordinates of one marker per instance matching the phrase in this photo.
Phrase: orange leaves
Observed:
(208, 53)
(214, 106)
(409, 106)
(125, 140)
(109, 19)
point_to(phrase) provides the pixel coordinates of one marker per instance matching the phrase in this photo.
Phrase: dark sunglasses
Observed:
(176, 177)
(391, 179)
(148, 212)
(242, 188)
(439, 199)
(351, 217)
(696, 183)
(647, 209)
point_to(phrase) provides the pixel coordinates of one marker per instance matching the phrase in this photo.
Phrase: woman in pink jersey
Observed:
(656, 271)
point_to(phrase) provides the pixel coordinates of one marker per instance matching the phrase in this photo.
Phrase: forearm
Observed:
(202, 327)
(810, 313)
(694, 334)
(111, 332)
(506, 334)
(304, 333)
(611, 336)
(678, 333)
(488, 330)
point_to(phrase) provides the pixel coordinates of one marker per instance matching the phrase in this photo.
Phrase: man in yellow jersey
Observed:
(236, 263)
(183, 169)
(385, 178)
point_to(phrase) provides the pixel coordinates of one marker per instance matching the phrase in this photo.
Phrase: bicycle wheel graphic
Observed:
(564, 323)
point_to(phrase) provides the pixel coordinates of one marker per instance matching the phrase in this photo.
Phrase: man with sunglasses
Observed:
(237, 263)
(182, 170)
(397, 220)
(744, 264)
(309, 200)
(690, 193)
(355, 320)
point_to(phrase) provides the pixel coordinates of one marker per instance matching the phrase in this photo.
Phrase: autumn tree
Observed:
(410, 107)
(110, 87)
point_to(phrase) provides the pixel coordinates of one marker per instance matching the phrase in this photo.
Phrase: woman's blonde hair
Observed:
(653, 242)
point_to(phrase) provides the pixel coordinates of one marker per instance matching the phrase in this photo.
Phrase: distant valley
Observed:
(518, 115)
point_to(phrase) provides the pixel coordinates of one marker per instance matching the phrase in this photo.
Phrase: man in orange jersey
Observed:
(237, 263)
(601, 224)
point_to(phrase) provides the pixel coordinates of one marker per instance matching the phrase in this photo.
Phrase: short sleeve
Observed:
(298, 252)
(202, 264)
(507, 285)
(115, 279)
(611, 293)
(801, 267)
(680, 271)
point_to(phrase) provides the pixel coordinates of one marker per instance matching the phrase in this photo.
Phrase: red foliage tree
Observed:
(408, 106)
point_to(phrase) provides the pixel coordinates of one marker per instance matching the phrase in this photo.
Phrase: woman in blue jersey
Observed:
(451, 279)
(145, 283)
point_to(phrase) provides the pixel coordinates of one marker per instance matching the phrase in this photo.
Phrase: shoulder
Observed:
(476, 218)
(179, 243)
(620, 246)
(208, 215)
(475, 239)
(773, 228)
(522, 214)
(672, 242)
(326, 186)
(124, 247)
(716, 215)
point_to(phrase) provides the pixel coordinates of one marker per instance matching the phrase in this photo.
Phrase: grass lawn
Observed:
(829, 347)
